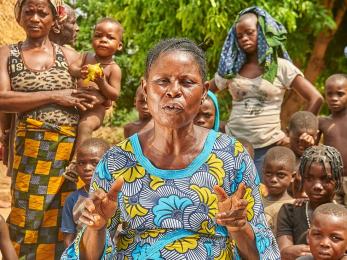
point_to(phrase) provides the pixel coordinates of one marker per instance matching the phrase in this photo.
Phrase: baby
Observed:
(107, 40)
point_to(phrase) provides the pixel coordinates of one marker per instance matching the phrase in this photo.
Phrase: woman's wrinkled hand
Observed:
(97, 97)
(100, 206)
(232, 209)
(73, 98)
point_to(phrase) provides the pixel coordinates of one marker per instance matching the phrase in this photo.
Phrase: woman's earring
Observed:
(146, 99)
(202, 101)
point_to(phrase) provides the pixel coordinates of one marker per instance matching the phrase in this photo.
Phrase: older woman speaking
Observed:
(179, 190)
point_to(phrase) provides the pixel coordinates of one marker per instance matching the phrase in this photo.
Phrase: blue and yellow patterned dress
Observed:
(170, 214)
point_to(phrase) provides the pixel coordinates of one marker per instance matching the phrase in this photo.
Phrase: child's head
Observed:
(336, 92)
(141, 104)
(107, 37)
(327, 236)
(247, 32)
(208, 115)
(88, 155)
(299, 123)
(248, 146)
(321, 171)
(278, 170)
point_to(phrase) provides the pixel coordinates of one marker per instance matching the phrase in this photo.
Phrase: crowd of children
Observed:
(311, 168)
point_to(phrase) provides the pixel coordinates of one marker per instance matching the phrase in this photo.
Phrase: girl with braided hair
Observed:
(321, 171)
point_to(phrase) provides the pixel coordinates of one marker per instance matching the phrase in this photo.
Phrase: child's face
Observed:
(107, 39)
(319, 184)
(328, 237)
(247, 34)
(206, 115)
(141, 105)
(87, 158)
(297, 145)
(336, 95)
(276, 176)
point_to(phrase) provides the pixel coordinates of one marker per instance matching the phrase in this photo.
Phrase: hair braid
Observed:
(323, 154)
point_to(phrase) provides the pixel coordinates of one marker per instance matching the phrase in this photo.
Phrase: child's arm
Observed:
(109, 88)
(285, 234)
(76, 65)
(6, 246)
(289, 250)
(321, 121)
(68, 238)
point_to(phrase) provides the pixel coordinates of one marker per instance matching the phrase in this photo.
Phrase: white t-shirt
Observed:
(256, 108)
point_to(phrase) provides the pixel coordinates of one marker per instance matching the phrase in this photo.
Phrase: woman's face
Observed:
(174, 89)
(36, 18)
(247, 34)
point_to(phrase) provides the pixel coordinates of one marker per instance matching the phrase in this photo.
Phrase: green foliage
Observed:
(207, 22)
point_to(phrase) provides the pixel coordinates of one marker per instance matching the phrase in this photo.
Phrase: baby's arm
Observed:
(76, 65)
(6, 247)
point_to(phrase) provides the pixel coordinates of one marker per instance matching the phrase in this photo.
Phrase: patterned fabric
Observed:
(57, 77)
(271, 39)
(214, 99)
(42, 151)
(157, 207)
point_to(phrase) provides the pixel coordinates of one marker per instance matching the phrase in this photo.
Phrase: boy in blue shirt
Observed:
(88, 155)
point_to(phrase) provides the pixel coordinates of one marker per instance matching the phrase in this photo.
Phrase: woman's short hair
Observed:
(178, 44)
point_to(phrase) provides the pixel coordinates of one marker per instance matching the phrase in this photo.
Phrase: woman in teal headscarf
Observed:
(256, 68)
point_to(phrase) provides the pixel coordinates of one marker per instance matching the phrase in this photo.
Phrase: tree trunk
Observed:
(293, 102)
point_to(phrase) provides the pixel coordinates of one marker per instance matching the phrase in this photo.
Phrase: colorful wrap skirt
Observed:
(41, 153)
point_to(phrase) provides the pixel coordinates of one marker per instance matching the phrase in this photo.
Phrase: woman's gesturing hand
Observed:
(232, 210)
(101, 206)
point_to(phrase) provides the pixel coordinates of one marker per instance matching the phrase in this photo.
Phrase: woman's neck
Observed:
(173, 141)
(37, 42)
(252, 58)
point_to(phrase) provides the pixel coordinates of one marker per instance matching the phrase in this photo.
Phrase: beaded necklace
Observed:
(307, 218)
